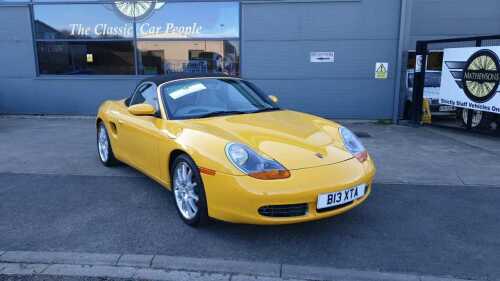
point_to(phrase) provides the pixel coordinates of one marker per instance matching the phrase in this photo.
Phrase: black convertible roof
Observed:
(160, 79)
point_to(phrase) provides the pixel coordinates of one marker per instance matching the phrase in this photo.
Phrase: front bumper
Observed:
(238, 198)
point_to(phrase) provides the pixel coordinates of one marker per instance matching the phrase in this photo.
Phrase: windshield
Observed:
(207, 97)
(432, 79)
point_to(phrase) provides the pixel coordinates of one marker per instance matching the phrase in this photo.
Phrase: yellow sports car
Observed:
(228, 152)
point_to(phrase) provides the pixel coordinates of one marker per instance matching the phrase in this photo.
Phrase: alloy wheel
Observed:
(103, 143)
(184, 191)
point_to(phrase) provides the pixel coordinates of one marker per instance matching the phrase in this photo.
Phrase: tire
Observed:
(481, 120)
(188, 191)
(104, 150)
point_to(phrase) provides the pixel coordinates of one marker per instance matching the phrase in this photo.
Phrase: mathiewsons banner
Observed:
(471, 78)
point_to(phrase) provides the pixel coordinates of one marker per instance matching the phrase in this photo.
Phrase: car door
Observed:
(140, 135)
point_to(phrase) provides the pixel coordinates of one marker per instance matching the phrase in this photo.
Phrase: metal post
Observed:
(134, 44)
(470, 112)
(404, 25)
(34, 38)
(419, 82)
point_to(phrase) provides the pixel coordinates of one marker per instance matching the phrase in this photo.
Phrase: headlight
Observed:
(253, 164)
(353, 144)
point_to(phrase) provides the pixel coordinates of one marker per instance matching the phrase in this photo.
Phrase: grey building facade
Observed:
(51, 64)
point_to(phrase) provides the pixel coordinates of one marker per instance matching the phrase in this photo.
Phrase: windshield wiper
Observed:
(221, 113)
(235, 112)
(266, 109)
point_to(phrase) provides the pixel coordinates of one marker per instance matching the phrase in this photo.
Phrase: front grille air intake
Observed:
(283, 211)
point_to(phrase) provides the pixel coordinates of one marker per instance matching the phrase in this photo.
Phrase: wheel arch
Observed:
(171, 158)
(98, 121)
(201, 217)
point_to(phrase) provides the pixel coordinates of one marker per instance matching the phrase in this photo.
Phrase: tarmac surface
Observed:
(434, 208)
(401, 228)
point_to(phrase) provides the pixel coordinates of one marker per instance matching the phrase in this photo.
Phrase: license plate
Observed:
(328, 200)
(446, 108)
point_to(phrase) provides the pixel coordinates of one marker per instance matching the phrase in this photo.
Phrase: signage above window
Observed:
(80, 21)
(153, 20)
(191, 20)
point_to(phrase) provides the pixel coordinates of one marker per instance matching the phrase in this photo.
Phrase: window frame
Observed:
(139, 89)
(158, 113)
(134, 40)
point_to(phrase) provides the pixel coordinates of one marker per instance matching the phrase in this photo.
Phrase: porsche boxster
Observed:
(227, 151)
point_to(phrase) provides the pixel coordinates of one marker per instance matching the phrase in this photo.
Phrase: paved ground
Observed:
(430, 155)
(434, 210)
(403, 154)
(52, 146)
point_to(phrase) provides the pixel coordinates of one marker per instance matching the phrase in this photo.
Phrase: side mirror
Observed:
(273, 98)
(142, 109)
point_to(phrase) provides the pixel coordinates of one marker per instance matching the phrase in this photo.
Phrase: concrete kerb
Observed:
(135, 260)
(22, 269)
(159, 267)
(324, 273)
(217, 265)
(59, 258)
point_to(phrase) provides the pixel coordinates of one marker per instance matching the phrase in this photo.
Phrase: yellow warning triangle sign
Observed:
(381, 71)
(381, 68)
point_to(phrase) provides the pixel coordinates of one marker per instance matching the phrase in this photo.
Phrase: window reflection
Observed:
(84, 58)
(208, 56)
(99, 38)
(188, 20)
(81, 21)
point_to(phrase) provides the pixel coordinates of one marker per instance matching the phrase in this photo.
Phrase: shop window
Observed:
(100, 38)
(214, 56)
(85, 58)
(411, 60)
(168, 39)
(434, 60)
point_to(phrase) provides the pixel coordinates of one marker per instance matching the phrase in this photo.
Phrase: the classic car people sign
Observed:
(141, 19)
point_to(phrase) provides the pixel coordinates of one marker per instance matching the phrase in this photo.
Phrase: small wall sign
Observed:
(381, 70)
(90, 58)
(323, 57)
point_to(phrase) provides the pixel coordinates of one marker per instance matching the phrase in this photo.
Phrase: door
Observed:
(140, 135)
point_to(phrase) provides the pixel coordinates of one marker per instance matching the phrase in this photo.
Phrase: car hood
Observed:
(294, 139)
